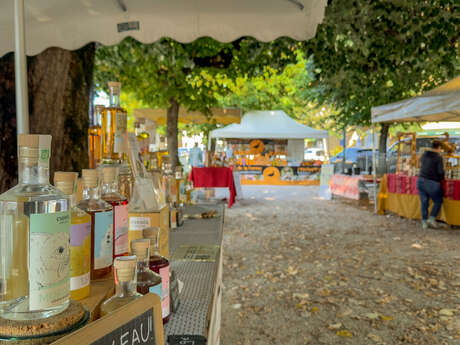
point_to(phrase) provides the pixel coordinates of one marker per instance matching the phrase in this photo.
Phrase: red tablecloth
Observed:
(214, 177)
(402, 184)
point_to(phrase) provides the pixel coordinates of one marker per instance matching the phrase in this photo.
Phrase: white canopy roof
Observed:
(268, 125)
(70, 24)
(440, 104)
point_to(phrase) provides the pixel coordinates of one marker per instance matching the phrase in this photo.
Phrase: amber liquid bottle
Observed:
(119, 203)
(94, 138)
(125, 285)
(101, 225)
(113, 128)
(147, 280)
(159, 264)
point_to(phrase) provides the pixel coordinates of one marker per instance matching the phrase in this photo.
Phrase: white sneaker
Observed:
(424, 225)
(432, 223)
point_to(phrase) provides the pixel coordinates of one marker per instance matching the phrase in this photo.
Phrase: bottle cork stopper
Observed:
(65, 176)
(99, 107)
(114, 84)
(90, 178)
(65, 187)
(34, 141)
(125, 267)
(109, 174)
(140, 248)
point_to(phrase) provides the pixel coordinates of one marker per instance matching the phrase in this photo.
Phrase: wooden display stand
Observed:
(137, 322)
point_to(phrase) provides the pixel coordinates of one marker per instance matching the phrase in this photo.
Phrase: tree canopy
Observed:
(368, 53)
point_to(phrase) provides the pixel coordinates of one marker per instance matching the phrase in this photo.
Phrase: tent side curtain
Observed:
(440, 104)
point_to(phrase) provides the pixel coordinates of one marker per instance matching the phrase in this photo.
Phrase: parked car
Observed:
(314, 154)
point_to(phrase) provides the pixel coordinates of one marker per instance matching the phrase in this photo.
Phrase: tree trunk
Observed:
(59, 88)
(172, 118)
(382, 161)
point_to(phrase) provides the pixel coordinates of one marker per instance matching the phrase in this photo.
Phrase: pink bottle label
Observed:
(164, 273)
(121, 229)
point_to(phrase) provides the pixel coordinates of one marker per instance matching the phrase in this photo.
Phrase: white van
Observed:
(314, 154)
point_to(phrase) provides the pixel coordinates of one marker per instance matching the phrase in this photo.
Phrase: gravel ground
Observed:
(299, 270)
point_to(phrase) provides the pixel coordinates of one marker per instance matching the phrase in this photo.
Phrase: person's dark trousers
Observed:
(429, 189)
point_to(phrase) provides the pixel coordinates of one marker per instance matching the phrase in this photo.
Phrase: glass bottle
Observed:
(159, 264)
(101, 214)
(119, 203)
(114, 127)
(94, 137)
(147, 280)
(125, 277)
(125, 180)
(80, 237)
(34, 238)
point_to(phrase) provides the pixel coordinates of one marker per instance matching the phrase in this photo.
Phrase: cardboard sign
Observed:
(327, 170)
(138, 322)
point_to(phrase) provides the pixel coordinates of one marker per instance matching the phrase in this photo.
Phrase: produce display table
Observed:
(199, 309)
(398, 194)
(214, 177)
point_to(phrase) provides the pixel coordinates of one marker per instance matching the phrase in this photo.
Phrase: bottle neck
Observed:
(33, 172)
(114, 97)
(125, 289)
(110, 187)
(91, 193)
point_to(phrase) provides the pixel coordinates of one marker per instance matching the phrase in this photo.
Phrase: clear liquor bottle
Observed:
(125, 285)
(147, 280)
(95, 138)
(119, 203)
(34, 238)
(101, 214)
(159, 264)
(80, 237)
(114, 128)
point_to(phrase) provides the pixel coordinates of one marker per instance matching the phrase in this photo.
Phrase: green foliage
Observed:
(369, 53)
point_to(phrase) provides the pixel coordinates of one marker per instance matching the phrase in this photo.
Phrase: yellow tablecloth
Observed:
(408, 205)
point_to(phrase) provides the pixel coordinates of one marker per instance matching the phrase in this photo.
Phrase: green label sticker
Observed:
(44, 154)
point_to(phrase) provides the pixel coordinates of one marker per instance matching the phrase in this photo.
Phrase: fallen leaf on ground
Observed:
(374, 337)
(335, 326)
(344, 333)
(372, 316)
(417, 246)
(447, 312)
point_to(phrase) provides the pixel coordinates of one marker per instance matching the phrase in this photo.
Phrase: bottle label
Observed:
(120, 130)
(103, 239)
(121, 229)
(139, 223)
(164, 273)
(156, 289)
(80, 255)
(49, 260)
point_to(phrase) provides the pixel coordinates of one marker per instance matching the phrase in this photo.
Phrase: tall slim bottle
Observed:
(94, 137)
(80, 237)
(119, 203)
(114, 127)
(125, 277)
(101, 224)
(34, 238)
(159, 264)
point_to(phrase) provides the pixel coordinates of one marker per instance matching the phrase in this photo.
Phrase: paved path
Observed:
(299, 270)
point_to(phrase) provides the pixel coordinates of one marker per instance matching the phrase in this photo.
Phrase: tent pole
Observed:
(374, 166)
(20, 69)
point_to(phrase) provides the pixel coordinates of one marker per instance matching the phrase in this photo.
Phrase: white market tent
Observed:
(30, 26)
(439, 104)
(268, 125)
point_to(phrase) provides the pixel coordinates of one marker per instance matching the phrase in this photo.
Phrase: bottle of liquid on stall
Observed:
(101, 214)
(94, 137)
(125, 284)
(159, 264)
(34, 238)
(147, 280)
(119, 203)
(80, 237)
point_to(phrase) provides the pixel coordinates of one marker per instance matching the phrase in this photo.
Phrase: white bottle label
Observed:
(49, 260)
(139, 223)
(79, 282)
(103, 239)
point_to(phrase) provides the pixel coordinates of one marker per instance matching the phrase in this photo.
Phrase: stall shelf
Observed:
(199, 309)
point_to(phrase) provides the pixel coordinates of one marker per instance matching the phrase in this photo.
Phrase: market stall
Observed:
(268, 149)
(398, 191)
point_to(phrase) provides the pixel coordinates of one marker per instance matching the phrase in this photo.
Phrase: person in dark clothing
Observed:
(429, 184)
